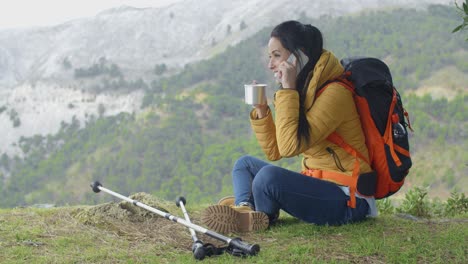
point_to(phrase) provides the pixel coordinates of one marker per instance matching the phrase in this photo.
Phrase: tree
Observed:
(101, 110)
(66, 64)
(5, 161)
(242, 25)
(463, 10)
(114, 70)
(160, 69)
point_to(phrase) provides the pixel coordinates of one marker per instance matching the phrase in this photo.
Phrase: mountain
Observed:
(39, 88)
(137, 39)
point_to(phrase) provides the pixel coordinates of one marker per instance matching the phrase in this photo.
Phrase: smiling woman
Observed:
(301, 125)
(23, 13)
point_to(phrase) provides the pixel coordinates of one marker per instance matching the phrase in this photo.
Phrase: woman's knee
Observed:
(267, 176)
(242, 162)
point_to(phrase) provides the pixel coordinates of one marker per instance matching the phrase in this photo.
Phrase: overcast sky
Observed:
(27, 13)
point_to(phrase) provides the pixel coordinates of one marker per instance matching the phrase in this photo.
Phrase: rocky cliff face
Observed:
(137, 39)
(40, 109)
(39, 90)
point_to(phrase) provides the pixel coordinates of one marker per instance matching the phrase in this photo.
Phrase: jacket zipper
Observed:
(336, 159)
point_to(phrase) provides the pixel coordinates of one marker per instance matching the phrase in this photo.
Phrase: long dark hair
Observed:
(295, 36)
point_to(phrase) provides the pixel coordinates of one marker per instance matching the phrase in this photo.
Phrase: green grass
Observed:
(56, 235)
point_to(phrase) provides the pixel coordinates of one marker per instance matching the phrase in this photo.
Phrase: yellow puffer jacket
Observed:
(333, 110)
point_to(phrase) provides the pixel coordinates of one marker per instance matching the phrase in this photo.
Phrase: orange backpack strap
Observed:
(339, 141)
(340, 178)
(336, 139)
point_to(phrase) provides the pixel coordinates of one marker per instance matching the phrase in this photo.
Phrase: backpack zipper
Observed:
(336, 159)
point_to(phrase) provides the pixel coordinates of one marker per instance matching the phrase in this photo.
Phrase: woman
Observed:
(302, 124)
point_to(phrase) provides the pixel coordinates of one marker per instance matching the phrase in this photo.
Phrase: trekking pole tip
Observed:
(95, 186)
(180, 199)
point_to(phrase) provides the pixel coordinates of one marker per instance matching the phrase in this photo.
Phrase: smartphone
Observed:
(300, 61)
(291, 59)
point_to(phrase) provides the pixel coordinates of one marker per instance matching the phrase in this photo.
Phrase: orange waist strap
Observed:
(339, 178)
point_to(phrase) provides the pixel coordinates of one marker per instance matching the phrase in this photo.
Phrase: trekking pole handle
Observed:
(179, 200)
(95, 185)
(198, 250)
(248, 249)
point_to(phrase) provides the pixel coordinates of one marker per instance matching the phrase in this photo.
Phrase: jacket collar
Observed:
(328, 67)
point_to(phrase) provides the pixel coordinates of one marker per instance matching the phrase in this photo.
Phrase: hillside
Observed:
(192, 126)
(119, 232)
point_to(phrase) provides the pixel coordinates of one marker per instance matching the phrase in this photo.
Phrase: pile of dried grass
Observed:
(135, 223)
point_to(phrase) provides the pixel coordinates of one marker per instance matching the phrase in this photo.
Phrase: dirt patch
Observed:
(135, 223)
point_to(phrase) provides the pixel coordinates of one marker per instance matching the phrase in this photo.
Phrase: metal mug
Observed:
(255, 94)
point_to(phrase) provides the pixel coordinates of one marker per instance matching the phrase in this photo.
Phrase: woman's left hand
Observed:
(287, 72)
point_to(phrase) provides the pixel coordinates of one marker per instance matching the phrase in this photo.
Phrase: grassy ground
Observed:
(88, 234)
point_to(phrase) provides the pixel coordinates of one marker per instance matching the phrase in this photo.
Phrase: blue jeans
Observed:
(270, 188)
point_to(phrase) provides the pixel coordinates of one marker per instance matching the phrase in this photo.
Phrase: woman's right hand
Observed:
(261, 109)
(287, 74)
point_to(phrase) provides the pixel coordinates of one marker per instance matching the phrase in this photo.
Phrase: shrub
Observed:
(416, 203)
(457, 204)
(385, 206)
(437, 207)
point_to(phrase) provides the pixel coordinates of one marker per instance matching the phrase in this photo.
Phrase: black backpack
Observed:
(383, 122)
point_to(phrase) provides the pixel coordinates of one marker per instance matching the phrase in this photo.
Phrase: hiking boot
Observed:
(274, 218)
(237, 219)
(228, 200)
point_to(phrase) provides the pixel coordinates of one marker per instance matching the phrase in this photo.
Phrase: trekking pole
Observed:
(197, 247)
(238, 247)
